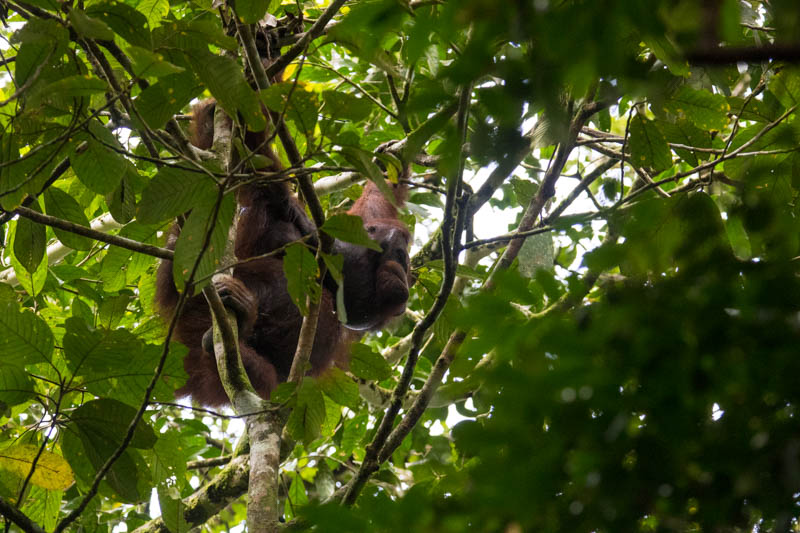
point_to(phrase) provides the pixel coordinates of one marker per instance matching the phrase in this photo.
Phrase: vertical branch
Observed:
(371, 461)
(548, 188)
(450, 350)
(263, 425)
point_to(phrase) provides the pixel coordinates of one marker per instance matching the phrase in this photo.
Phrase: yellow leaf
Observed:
(52, 471)
(289, 71)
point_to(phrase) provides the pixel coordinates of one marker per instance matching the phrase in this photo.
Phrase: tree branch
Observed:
(372, 460)
(122, 242)
(19, 518)
(213, 497)
(316, 29)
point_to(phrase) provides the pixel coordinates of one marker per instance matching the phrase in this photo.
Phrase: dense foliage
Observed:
(632, 366)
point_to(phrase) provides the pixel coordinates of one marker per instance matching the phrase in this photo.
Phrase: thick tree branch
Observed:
(122, 242)
(213, 497)
(745, 54)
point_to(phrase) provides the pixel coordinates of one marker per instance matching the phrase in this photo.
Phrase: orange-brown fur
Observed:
(375, 283)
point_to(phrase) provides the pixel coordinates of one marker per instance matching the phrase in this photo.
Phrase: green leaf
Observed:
(112, 309)
(172, 192)
(785, 85)
(363, 162)
(664, 50)
(120, 265)
(648, 145)
(32, 282)
(417, 139)
(301, 271)
(224, 79)
(95, 163)
(302, 108)
(283, 392)
(109, 420)
(126, 22)
(191, 239)
(740, 242)
(683, 132)
(367, 364)
(150, 64)
(333, 413)
(88, 27)
(87, 453)
(116, 364)
(172, 509)
(194, 35)
(85, 85)
(343, 106)
(349, 228)
(339, 388)
(16, 386)
(156, 11)
(767, 109)
(43, 506)
(335, 265)
(354, 431)
(51, 471)
(42, 42)
(159, 102)
(61, 205)
(704, 109)
(296, 497)
(252, 11)
(95, 431)
(308, 414)
(30, 241)
(122, 202)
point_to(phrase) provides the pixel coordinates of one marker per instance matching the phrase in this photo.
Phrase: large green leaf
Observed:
(126, 21)
(193, 236)
(97, 163)
(95, 431)
(704, 109)
(61, 205)
(301, 271)
(367, 364)
(339, 388)
(224, 79)
(116, 364)
(785, 85)
(349, 228)
(683, 132)
(88, 27)
(30, 241)
(16, 386)
(172, 192)
(159, 102)
(308, 414)
(301, 107)
(252, 11)
(41, 42)
(121, 265)
(342, 106)
(648, 145)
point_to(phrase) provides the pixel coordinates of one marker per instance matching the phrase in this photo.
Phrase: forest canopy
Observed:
(601, 334)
